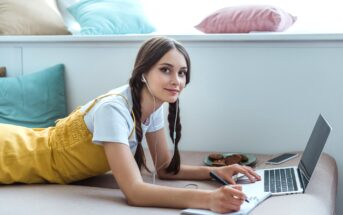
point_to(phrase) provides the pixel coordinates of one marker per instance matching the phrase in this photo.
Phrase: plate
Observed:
(250, 162)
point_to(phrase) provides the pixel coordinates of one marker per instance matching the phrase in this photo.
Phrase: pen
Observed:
(220, 180)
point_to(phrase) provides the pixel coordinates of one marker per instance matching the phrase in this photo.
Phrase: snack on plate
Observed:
(215, 156)
(233, 159)
(218, 159)
(220, 162)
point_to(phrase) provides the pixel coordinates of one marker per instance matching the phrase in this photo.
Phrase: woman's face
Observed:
(167, 77)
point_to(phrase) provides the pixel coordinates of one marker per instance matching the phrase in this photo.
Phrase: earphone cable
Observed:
(155, 159)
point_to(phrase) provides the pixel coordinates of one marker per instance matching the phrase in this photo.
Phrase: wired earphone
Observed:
(191, 185)
(174, 132)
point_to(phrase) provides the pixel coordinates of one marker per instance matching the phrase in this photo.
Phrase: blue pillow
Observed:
(33, 100)
(99, 17)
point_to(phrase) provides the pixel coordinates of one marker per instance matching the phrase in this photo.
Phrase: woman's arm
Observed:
(161, 157)
(139, 193)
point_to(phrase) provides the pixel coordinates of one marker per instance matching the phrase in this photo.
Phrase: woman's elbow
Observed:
(134, 197)
(136, 201)
(132, 201)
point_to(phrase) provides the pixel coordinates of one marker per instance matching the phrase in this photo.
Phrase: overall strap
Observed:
(114, 94)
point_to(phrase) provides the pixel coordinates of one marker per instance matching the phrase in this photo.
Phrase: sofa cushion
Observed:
(33, 17)
(33, 100)
(245, 19)
(99, 17)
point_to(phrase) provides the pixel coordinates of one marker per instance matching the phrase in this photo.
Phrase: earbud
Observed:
(143, 79)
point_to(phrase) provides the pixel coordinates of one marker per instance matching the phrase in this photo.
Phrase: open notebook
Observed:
(254, 200)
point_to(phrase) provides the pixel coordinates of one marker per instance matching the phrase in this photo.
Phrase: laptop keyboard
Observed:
(279, 180)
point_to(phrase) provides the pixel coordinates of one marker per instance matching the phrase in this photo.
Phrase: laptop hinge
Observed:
(301, 180)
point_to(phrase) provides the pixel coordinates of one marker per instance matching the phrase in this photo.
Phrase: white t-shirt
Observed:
(110, 119)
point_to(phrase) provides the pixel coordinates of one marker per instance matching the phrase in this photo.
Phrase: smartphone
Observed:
(281, 158)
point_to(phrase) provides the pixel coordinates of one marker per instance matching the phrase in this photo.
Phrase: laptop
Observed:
(292, 179)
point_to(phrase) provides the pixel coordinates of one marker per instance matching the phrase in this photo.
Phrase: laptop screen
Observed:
(313, 149)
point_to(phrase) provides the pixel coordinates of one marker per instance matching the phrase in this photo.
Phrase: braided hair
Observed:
(148, 55)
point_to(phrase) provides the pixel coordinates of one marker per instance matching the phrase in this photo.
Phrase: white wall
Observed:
(252, 93)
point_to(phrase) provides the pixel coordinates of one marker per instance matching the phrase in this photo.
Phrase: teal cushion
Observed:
(99, 17)
(33, 100)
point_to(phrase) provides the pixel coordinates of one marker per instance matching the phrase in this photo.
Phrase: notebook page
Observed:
(245, 207)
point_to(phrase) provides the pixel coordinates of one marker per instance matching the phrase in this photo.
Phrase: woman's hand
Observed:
(226, 172)
(227, 199)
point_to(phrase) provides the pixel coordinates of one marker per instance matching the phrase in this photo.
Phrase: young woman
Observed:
(104, 133)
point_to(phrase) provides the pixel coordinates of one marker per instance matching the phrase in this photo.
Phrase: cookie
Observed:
(215, 156)
(220, 162)
(233, 159)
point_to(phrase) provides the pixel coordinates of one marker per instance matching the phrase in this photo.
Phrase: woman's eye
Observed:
(164, 69)
(182, 73)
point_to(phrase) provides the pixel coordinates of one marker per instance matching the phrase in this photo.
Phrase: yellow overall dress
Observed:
(60, 154)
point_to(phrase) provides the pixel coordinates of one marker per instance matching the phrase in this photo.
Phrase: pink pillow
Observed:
(244, 19)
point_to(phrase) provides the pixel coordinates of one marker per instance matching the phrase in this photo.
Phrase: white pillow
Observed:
(33, 17)
(69, 21)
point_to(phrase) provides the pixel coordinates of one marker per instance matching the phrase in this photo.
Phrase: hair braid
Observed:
(139, 154)
(173, 115)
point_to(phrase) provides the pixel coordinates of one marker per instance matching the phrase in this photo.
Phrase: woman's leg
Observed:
(25, 156)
